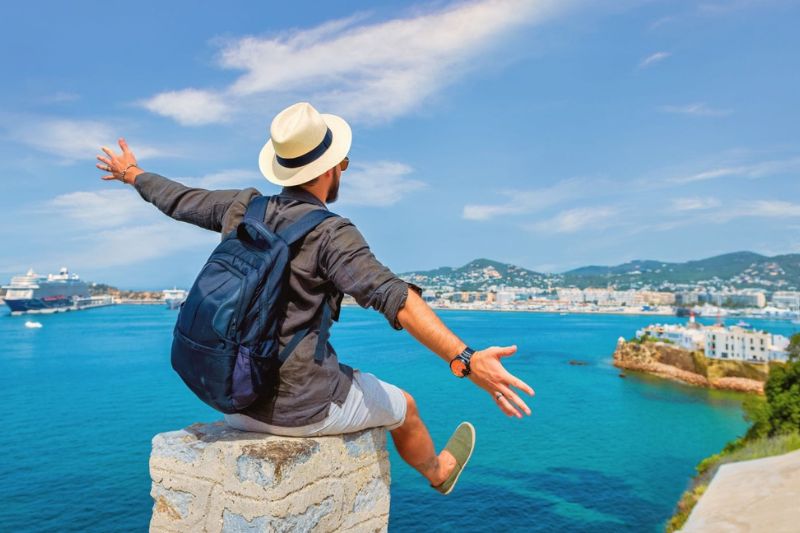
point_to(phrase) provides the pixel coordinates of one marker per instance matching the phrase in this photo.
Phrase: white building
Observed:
(786, 300)
(745, 345)
(657, 298)
(688, 337)
(744, 298)
(718, 342)
(570, 295)
(505, 297)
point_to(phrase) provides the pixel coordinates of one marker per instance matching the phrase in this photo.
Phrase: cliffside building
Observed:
(742, 344)
(718, 342)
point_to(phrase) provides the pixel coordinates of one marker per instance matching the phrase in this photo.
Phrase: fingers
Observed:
(504, 351)
(515, 401)
(108, 152)
(506, 407)
(521, 385)
(104, 160)
(123, 144)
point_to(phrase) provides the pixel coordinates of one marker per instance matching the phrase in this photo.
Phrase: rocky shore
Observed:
(692, 367)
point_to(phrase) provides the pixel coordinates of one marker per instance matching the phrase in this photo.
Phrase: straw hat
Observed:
(303, 144)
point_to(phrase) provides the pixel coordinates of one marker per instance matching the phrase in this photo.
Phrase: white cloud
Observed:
(653, 59)
(698, 109)
(574, 220)
(774, 208)
(760, 169)
(758, 209)
(99, 209)
(236, 178)
(190, 107)
(60, 98)
(694, 203)
(71, 140)
(378, 184)
(521, 202)
(137, 243)
(369, 72)
(116, 227)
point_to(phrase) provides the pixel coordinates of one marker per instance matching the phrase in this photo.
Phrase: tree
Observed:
(779, 412)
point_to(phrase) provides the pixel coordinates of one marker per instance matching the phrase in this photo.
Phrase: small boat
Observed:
(743, 324)
(623, 375)
(33, 325)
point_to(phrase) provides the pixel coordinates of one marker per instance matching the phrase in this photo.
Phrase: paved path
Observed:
(753, 496)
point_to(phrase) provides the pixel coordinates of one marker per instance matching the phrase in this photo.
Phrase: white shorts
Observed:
(370, 403)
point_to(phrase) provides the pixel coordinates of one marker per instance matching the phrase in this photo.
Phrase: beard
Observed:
(333, 191)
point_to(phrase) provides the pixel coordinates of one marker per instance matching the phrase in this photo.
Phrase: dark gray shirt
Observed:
(333, 259)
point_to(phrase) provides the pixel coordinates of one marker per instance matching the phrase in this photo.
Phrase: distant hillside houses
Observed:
(736, 343)
(782, 304)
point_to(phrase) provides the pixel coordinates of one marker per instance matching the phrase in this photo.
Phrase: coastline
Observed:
(691, 367)
(585, 312)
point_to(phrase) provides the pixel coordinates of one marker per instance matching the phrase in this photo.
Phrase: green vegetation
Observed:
(700, 363)
(740, 269)
(648, 338)
(775, 430)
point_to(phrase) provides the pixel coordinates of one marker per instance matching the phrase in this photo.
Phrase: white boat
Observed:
(33, 325)
(34, 293)
(174, 297)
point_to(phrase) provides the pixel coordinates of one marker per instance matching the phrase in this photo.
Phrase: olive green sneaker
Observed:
(461, 444)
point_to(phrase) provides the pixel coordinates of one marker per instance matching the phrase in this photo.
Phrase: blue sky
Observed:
(549, 134)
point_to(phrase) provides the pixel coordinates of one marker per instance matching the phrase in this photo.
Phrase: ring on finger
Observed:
(498, 395)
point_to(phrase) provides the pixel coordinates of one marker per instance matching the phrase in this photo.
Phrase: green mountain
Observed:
(478, 275)
(739, 269)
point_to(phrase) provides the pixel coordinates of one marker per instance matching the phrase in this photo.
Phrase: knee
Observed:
(411, 406)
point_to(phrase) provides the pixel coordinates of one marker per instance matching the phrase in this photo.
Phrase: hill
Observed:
(738, 270)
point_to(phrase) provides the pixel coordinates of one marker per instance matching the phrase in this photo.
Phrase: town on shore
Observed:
(700, 302)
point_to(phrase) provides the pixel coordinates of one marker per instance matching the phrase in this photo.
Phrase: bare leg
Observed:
(415, 446)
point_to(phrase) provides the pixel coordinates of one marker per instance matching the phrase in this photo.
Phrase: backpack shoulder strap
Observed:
(257, 209)
(307, 222)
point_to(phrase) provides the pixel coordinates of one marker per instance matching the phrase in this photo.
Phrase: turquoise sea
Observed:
(84, 395)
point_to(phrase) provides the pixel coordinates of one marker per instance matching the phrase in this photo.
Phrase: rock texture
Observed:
(694, 368)
(211, 478)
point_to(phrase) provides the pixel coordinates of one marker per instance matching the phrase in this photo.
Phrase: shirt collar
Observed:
(302, 195)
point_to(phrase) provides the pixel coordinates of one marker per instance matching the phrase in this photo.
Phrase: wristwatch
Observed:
(459, 365)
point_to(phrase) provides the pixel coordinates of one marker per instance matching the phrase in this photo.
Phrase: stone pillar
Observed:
(211, 478)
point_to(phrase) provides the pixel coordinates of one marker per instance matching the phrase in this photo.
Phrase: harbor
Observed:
(35, 294)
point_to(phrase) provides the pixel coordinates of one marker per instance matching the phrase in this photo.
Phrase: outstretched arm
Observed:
(487, 370)
(212, 210)
(348, 262)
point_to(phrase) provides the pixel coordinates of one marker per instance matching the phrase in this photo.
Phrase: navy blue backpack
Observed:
(225, 345)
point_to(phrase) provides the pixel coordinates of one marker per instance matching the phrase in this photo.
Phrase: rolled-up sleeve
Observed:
(347, 261)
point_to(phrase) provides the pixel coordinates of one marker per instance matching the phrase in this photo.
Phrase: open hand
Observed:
(121, 167)
(488, 373)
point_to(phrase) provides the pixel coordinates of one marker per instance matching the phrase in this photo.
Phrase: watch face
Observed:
(458, 367)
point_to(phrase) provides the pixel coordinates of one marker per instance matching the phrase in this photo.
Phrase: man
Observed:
(306, 155)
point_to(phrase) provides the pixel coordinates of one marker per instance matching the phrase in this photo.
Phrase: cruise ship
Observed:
(34, 293)
(174, 297)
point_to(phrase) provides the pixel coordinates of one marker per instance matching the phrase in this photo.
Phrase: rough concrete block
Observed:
(211, 478)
